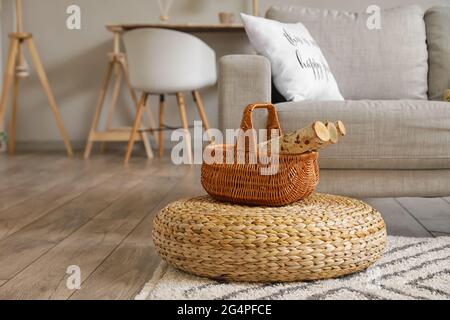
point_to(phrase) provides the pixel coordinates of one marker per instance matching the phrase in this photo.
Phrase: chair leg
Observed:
(201, 111)
(162, 99)
(182, 107)
(150, 122)
(137, 123)
(147, 146)
(144, 137)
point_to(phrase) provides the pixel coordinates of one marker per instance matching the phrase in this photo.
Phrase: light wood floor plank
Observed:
(22, 248)
(398, 221)
(15, 171)
(8, 165)
(124, 273)
(28, 169)
(40, 180)
(15, 218)
(98, 214)
(433, 213)
(88, 246)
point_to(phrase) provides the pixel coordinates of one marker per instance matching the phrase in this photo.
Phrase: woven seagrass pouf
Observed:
(320, 237)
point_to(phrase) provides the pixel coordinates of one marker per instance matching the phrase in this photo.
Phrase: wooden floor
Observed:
(97, 214)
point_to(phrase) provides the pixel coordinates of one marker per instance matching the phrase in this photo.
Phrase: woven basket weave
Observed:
(320, 237)
(296, 176)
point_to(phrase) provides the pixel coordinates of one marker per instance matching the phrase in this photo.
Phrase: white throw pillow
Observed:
(299, 69)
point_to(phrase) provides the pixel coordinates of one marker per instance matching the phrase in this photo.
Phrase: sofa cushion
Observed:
(400, 134)
(386, 63)
(299, 69)
(437, 21)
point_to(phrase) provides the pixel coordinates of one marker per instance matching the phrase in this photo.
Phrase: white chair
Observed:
(165, 62)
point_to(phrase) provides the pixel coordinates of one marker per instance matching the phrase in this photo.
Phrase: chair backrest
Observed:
(167, 61)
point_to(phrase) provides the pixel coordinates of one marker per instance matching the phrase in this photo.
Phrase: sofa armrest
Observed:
(244, 79)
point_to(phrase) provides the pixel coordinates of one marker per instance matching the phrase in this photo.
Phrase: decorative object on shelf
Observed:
(226, 17)
(16, 69)
(320, 237)
(164, 9)
(256, 8)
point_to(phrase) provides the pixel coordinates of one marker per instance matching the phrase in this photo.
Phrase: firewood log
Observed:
(342, 130)
(310, 138)
(334, 134)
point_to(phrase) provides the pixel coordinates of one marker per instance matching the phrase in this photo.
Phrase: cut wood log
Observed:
(342, 130)
(310, 138)
(334, 134)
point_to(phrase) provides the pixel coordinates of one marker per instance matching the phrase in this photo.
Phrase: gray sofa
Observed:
(393, 79)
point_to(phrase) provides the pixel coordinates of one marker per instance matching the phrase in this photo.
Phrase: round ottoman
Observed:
(320, 237)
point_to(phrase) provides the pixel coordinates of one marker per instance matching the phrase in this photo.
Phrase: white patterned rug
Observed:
(411, 268)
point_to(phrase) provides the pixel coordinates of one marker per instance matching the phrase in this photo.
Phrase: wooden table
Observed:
(189, 28)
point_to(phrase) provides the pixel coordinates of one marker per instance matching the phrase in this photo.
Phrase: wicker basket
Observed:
(320, 237)
(296, 176)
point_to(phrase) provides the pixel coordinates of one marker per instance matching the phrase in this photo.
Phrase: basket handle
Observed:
(272, 119)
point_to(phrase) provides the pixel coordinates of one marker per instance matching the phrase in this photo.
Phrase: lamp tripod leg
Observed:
(13, 122)
(46, 86)
(8, 77)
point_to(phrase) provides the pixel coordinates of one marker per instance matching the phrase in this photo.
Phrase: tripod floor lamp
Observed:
(16, 69)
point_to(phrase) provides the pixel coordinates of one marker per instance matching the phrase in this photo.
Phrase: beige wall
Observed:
(76, 60)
